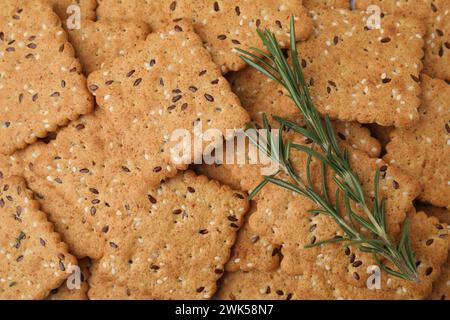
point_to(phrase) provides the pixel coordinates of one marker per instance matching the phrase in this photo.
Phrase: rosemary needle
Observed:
(326, 149)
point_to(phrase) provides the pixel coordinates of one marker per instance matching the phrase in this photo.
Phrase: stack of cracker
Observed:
(93, 206)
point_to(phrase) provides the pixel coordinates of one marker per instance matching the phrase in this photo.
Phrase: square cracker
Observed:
(365, 75)
(320, 284)
(33, 260)
(436, 15)
(73, 171)
(176, 246)
(223, 25)
(98, 43)
(41, 85)
(183, 92)
(423, 150)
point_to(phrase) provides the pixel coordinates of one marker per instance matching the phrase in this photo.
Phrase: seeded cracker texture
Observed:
(441, 287)
(142, 99)
(74, 293)
(365, 75)
(275, 285)
(320, 284)
(251, 252)
(222, 25)
(33, 259)
(87, 8)
(313, 4)
(97, 43)
(176, 246)
(424, 150)
(41, 86)
(436, 15)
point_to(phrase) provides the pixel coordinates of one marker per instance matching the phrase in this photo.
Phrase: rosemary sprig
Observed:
(326, 149)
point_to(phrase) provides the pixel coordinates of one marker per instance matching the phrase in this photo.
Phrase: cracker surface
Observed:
(361, 74)
(423, 150)
(41, 85)
(175, 246)
(222, 25)
(98, 43)
(436, 15)
(33, 258)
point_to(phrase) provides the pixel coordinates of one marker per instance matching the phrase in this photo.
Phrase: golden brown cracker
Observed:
(41, 85)
(33, 259)
(184, 92)
(97, 43)
(436, 15)
(423, 150)
(222, 25)
(362, 74)
(176, 246)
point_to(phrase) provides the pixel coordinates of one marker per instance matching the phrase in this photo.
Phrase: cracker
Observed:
(252, 252)
(176, 246)
(64, 293)
(222, 25)
(80, 236)
(184, 91)
(436, 15)
(423, 150)
(87, 8)
(442, 214)
(275, 285)
(33, 259)
(364, 75)
(41, 85)
(98, 43)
